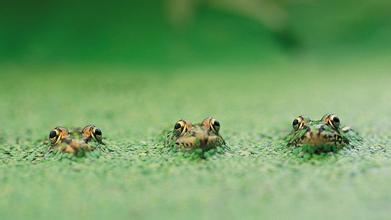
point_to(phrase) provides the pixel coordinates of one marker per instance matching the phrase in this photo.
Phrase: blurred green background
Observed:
(191, 32)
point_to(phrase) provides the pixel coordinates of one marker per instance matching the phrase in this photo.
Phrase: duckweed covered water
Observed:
(135, 176)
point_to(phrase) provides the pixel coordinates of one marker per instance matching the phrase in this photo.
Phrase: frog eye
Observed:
(215, 125)
(91, 132)
(298, 123)
(97, 134)
(180, 127)
(55, 135)
(334, 121)
(211, 124)
(97, 131)
(177, 126)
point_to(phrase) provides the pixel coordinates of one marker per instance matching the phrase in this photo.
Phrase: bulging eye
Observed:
(215, 125)
(297, 123)
(98, 132)
(91, 132)
(55, 136)
(180, 127)
(335, 121)
(177, 126)
(52, 134)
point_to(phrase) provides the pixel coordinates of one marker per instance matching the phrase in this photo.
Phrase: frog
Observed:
(188, 136)
(326, 133)
(75, 140)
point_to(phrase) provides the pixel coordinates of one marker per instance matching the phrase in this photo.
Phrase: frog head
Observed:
(324, 132)
(75, 140)
(204, 135)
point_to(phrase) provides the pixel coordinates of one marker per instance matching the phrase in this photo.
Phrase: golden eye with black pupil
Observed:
(98, 132)
(177, 126)
(53, 134)
(215, 125)
(297, 123)
(180, 127)
(334, 121)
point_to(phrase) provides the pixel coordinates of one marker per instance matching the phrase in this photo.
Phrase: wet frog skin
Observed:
(321, 133)
(76, 140)
(188, 136)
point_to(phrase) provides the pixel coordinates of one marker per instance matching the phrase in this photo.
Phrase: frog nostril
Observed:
(204, 141)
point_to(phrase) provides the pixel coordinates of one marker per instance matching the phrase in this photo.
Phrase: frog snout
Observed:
(311, 133)
(202, 138)
(315, 132)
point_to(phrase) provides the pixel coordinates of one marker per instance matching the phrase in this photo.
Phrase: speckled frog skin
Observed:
(324, 132)
(75, 140)
(204, 135)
